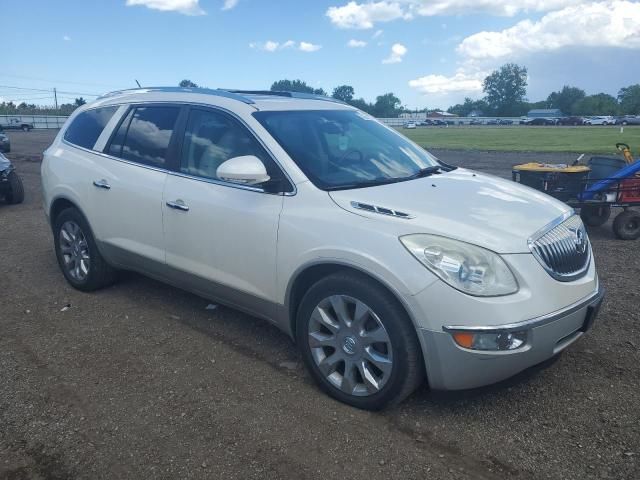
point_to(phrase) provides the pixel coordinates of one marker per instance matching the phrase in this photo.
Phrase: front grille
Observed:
(564, 250)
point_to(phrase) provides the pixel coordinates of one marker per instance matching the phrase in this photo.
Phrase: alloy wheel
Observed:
(350, 345)
(74, 250)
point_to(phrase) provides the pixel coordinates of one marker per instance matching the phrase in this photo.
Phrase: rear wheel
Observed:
(626, 226)
(358, 343)
(596, 215)
(16, 193)
(77, 253)
(25, 128)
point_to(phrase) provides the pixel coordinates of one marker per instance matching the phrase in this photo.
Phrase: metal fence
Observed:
(38, 121)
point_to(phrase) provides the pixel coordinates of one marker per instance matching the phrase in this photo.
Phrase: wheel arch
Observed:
(310, 273)
(62, 203)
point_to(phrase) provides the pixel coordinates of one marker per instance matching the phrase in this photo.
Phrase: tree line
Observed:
(23, 108)
(505, 96)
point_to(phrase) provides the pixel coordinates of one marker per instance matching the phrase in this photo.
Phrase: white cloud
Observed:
(272, 46)
(377, 34)
(186, 7)
(356, 43)
(440, 84)
(229, 4)
(309, 47)
(397, 52)
(603, 24)
(66, 38)
(364, 15)
(367, 14)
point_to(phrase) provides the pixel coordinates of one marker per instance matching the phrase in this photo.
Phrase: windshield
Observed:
(340, 149)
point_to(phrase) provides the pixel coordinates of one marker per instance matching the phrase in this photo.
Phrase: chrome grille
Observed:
(563, 250)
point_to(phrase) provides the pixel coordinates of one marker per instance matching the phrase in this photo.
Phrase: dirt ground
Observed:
(141, 381)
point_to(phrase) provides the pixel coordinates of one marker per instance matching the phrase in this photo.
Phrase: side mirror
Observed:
(247, 170)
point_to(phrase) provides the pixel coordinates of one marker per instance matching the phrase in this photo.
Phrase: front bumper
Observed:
(451, 367)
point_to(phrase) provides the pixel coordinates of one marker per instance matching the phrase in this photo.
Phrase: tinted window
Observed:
(144, 135)
(211, 138)
(87, 126)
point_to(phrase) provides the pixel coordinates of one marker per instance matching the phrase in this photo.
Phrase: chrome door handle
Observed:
(101, 184)
(178, 205)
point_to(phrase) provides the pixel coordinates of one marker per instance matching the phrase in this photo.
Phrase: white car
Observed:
(410, 125)
(386, 266)
(600, 120)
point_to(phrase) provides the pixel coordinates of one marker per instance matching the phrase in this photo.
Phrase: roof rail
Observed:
(282, 93)
(206, 91)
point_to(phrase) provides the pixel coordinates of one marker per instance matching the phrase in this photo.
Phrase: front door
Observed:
(221, 237)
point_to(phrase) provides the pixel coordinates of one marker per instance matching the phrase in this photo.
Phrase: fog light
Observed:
(490, 341)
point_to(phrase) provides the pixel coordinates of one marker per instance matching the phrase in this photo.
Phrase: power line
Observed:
(58, 81)
(43, 90)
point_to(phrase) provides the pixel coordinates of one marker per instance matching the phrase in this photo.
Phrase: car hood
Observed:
(477, 208)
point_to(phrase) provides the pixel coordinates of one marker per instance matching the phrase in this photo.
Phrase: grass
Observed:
(517, 138)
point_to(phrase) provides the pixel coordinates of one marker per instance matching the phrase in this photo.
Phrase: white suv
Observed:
(385, 265)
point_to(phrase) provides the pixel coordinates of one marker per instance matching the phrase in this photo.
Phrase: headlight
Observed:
(466, 267)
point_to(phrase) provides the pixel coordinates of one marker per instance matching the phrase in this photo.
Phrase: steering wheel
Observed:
(622, 146)
(348, 153)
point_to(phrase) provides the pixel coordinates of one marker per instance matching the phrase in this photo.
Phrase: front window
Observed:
(341, 149)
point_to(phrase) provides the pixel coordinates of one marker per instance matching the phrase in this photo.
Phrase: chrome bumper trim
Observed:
(534, 322)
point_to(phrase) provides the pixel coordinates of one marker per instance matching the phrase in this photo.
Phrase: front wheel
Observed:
(358, 343)
(77, 253)
(626, 226)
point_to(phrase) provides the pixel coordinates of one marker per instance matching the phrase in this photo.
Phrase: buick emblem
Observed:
(349, 345)
(581, 241)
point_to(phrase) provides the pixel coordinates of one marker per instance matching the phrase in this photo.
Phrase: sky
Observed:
(430, 53)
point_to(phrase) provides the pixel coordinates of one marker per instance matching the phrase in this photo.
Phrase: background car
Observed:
(16, 124)
(628, 120)
(505, 121)
(410, 125)
(476, 122)
(5, 143)
(571, 121)
(600, 120)
(540, 121)
(11, 188)
(492, 121)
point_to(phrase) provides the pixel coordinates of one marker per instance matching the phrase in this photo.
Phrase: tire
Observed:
(626, 226)
(595, 216)
(386, 335)
(92, 272)
(25, 128)
(625, 123)
(16, 195)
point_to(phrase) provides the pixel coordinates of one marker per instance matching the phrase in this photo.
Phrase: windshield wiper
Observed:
(425, 172)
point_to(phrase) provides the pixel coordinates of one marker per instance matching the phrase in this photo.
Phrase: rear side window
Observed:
(87, 126)
(144, 135)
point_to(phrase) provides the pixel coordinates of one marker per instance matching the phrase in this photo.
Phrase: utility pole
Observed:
(55, 97)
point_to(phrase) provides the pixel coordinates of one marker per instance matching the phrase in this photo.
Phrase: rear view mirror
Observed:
(247, 170)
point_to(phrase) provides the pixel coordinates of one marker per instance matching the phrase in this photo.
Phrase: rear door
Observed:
(221, 237)
(126, 193)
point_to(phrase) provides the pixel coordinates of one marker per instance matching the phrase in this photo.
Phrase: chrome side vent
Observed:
(563, 249)
(381, 210)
